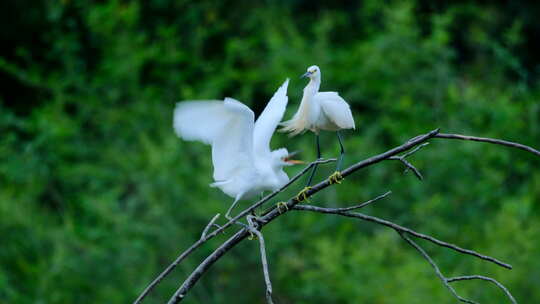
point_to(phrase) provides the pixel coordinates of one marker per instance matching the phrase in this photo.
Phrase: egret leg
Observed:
(318, 157)
(228, 214)
(341, 152)
(261, 196)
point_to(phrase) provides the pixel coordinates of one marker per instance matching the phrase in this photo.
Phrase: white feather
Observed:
(226, 125)
(243, 163)
(319, 110)
(335, 109)
(266, 124)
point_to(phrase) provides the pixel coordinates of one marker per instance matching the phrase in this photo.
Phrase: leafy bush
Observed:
(98, 195)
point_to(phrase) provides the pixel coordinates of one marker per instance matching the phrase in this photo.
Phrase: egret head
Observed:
(282, 157)
(312, 72)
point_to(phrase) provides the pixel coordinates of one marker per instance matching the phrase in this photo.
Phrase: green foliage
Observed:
(97, 194)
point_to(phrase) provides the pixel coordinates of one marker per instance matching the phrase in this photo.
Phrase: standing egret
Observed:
(244, 165)
(320, 111)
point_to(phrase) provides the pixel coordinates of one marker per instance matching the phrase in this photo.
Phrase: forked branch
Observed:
(207, 236)
(402, 229)
(262, 247)
(412, 146)
(446, 280)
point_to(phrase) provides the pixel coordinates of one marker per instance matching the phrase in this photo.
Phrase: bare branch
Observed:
(454, 279)
(479, 277)
(207, 237)
(264, 262)
(205, 265)
(435, 267)
(401, 229)
(362, 205)
(272, 213)
(412, 151)
(408, 165)
(209, 225)
(489, 140)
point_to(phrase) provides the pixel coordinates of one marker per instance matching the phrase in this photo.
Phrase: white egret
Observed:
(320, 111)
(244, 165)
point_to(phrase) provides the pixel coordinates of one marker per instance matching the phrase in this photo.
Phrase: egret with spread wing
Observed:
(244, 165)
(320, 111)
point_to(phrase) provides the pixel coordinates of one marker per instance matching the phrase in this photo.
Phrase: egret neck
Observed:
(307, 111)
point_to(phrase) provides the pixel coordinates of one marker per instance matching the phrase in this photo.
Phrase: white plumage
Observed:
(336, 110)
(243, 163)
(319, 110)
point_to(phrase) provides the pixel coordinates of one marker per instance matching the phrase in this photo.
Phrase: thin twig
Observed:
(264, 262)
(203, 267)
(489, 140)
(408, 165)
(209, 225)
(479, 277)
(435, 267)
(446, 280)
(412, 151)
(273, 213)
(209, 236)
(362, 205)
(402, 229)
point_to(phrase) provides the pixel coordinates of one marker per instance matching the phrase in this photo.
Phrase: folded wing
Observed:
(269, 119)
(336, 109)
(226, 125)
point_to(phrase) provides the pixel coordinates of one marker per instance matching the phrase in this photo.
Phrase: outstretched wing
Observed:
(336, 109)
(226, 125)
(269, 119)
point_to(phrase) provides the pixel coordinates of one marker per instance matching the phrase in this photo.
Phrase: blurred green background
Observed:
(98, 195)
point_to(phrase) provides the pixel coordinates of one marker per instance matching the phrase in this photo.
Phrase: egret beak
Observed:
(293, 161)
(305, 75)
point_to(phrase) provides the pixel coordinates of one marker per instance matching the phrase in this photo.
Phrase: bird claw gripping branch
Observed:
(335, 178)
(302, 195)
(282, 205)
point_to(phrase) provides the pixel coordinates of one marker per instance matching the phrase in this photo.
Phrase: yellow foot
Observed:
(302, 195)
(335, 178)
(252, 236)
(281, 206)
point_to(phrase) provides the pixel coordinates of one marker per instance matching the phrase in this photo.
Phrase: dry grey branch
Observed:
(203, 267)
(271, 214)
(435, 267)
(264, 262)
(479, 277)
(446, 280)
(362, 205)
(408, 165)
(209, 225)
(397, 227)
(412, 151)
(489, 140)
(207, 237)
